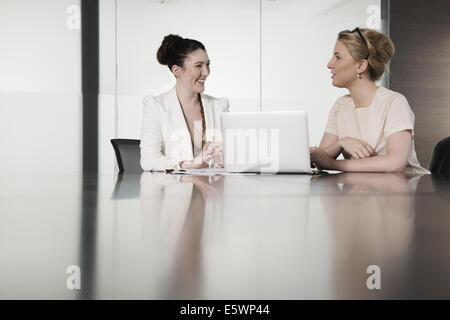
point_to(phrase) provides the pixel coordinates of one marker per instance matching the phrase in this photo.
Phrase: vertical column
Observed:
(89, 193)
(90, 82)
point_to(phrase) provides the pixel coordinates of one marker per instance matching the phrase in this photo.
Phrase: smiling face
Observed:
(344, 68)
(194, 72)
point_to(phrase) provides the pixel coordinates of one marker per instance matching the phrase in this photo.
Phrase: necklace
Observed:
(203, 120)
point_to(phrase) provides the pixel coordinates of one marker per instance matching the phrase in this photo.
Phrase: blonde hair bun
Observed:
(377, 47)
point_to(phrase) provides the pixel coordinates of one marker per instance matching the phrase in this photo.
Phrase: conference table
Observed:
(237, 236)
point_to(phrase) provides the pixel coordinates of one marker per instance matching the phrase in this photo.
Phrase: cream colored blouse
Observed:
(196, 132)
(388, 113)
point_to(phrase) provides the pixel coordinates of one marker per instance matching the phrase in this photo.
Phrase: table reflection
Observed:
(281, 236)
(371, 221)
(162, 236)
(179, 203)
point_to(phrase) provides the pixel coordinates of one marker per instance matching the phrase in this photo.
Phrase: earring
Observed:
(358, 75)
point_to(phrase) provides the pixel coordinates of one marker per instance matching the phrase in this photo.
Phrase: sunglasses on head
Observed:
(362, 38)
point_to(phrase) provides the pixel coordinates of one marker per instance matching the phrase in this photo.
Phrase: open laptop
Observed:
(266, 142)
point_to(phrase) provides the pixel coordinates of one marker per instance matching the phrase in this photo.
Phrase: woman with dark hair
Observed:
(181, 128)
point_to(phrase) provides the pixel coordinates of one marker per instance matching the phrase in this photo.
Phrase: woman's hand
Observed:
(321, 159)
(214, 150)
(211, 150)
(357, 149)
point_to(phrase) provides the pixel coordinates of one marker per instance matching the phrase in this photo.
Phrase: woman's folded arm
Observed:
(396, 159)
(330, 144)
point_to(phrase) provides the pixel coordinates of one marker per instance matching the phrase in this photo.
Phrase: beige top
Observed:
(388, 113)
(196, 132)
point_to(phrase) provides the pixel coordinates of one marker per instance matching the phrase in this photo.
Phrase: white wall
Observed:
(265, 54)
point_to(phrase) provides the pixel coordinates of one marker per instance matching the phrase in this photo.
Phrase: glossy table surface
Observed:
(162, 236)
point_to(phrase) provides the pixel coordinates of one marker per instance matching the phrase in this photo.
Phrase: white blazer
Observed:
(165, 138)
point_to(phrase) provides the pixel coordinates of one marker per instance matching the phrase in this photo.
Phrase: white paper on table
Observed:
(202, 171)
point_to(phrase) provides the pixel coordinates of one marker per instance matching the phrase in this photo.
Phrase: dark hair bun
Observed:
(174, 50)
(168, 43)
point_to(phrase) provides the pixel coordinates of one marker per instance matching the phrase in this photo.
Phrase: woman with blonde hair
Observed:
(373, 127)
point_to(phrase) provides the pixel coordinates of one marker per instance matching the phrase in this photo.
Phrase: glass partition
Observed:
(40, 143)
(298, 38)
(265, 55)
(40, 86)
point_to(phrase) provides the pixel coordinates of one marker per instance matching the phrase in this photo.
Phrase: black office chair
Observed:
(440, 158)
(128, 155)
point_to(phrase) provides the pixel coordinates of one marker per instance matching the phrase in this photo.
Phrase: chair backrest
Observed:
(128, 155)
(440, 158)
